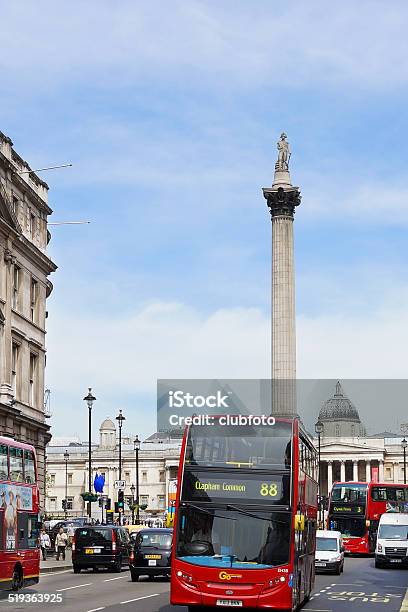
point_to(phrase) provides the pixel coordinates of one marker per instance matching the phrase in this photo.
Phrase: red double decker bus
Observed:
(246, 514)
(19, 507)
(355, 509)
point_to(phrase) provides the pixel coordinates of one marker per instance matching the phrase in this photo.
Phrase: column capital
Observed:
(282, 201)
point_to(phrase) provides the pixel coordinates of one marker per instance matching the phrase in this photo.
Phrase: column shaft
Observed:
(368, 471)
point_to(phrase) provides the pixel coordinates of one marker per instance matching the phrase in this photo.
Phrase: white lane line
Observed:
(46, 574)
(139, 598)
(77, 586)
(118, 578)
(96, 609)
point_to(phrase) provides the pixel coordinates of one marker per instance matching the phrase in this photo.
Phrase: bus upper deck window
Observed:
(29, 467)
(3, 462)
(16, 464)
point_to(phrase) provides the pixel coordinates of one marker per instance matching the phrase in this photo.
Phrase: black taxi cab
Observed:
(151, 554)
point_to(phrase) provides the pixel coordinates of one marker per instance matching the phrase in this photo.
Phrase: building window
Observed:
(53, 503)
(144, 477)
(144, 500)
(31, 226)
(33, 379)
(69, 479)
(14, 367)
(353, 431)
(337, 430)
(388, 473)
(161, 501)
(16, 286)
(52, 480)
(33, 300)
(15, 204)
(70, 503)
(127, 476)
(162, 476)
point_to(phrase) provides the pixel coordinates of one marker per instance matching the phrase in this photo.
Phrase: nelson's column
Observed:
(282, 198)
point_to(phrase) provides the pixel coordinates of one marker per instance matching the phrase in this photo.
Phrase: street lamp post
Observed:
(404, 444)
(136, 446)
(132, 490)
(89, 399)
(66, 458)
(120, 418)
(319, 430)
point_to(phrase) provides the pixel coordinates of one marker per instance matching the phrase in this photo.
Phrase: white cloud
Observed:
(170, 340)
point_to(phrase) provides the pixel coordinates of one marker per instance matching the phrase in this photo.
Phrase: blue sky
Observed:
(170, 113)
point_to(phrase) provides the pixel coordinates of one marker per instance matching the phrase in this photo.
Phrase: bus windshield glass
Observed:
(230, 538)
(349, 527)
(248, 447)
(350, 493)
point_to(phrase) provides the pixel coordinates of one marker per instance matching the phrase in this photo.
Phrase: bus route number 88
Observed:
(269, 489)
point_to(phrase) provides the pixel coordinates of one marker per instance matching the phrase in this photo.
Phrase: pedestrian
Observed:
(45, 543)
(70, 533)
(61, 542)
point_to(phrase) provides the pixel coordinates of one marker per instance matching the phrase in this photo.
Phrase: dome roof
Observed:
(108, 424)
(339, 407)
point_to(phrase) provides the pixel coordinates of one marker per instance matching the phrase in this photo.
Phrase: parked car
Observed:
(329, 552)
(392, 540)
(100, 546)
(151, 554)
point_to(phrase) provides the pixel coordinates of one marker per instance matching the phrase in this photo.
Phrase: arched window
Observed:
(337, 430)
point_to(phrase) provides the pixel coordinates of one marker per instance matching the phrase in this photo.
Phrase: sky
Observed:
(170, 114)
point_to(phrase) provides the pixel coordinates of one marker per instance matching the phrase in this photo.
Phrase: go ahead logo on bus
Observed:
(178, 399)
(227, 576)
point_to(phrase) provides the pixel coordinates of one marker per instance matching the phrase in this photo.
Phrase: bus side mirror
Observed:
(299, 522)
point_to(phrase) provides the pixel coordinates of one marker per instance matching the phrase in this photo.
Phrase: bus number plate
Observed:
(234, 603)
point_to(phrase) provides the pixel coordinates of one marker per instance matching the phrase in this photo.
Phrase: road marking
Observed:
(118, 578)
(404, 605)
(96, 609)
(54, 573)
(78, 586)
(139, 598)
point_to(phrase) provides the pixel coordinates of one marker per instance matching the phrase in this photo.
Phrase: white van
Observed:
(329, 552)
(392, 540)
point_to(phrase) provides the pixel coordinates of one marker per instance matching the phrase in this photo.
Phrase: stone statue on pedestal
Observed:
(283, 153)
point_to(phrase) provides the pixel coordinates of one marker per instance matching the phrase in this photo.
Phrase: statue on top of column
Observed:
(283, 153)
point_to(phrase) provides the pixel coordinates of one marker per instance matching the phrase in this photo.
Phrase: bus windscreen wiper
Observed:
(190, 505)
(246, 513)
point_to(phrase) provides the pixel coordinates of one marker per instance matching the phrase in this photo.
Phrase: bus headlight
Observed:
(379, 548)
(186, 578)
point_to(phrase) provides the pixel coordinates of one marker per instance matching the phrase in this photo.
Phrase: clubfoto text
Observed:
(242, 420)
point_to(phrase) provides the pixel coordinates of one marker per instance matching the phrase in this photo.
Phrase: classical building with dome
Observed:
(340, 417)
(348, 453)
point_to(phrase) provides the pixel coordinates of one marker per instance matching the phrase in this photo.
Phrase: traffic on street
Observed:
(361, 585)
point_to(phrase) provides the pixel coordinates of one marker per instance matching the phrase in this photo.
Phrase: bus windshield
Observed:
(349, 527)
(349, 493)
(262, 447)
(230, 538)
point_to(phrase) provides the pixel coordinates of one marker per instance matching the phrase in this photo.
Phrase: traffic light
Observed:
(108, 504)
(121, 501)
(64, 504)
(116, 507)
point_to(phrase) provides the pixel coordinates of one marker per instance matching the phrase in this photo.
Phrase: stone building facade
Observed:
(348, 454)
(24, 287)
(158, 464)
